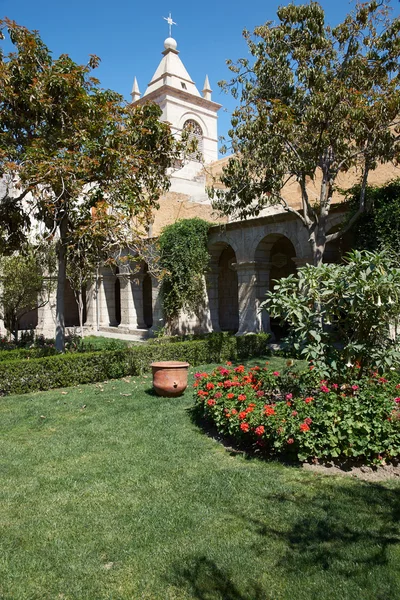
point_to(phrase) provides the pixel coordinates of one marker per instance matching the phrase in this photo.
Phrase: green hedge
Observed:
(22, 376)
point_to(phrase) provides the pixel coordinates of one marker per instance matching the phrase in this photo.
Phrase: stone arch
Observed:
(190, 115)
(274, 258)
(195, 133)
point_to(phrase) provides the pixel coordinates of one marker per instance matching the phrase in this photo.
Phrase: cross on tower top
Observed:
(170, 23)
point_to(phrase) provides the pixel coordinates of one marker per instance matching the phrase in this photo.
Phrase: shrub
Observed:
(296, 414)
(340, 316)
(22, 375)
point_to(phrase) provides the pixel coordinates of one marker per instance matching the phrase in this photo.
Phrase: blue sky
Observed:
(128, 36)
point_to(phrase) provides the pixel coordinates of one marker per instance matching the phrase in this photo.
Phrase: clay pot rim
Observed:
(170, 364)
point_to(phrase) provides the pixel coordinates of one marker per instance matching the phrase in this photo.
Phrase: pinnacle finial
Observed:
(135, 93)
(207, 89)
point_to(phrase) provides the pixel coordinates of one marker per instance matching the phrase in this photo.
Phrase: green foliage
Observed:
(379, 227)
(24, 283)
(294, 414)
(340, 316)
(315, 102)
(184, 257)
(90, 166)
(21, 372)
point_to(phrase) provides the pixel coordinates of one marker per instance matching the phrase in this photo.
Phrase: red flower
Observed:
(269, 411)
(290, 441)
(244, 427)
(227, 384)
(259, 430)
(223, 371)
(308, 400)
(239, 369)
(228, 362)
(242, 415)
(260, 393)
(308, 421)
(304, 427)
(218, 395)
(211, 402)
(233, 411)
(242, 397)
(294, 413)
(311, 368)
(210, 386)
(398, 386)
(397, 400)
(230, 396)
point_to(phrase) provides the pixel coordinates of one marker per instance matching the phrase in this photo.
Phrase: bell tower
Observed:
(182, 105)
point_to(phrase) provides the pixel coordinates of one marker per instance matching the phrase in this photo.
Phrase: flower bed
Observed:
(297, 415)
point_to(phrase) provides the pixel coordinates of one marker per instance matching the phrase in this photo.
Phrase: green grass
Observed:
(109, 492)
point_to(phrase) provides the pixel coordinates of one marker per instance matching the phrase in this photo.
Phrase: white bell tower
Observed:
(172, 88)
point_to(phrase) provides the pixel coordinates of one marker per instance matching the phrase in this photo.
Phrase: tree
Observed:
(71, 146)
(24, 283)
(315, 102)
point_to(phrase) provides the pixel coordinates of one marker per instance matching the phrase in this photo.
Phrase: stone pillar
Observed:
(91, 306)
(263, 278)
(106, 299)
(47, 314)
(128, 310)
(212, 293)
(158, 313)
(248, 320)
(137, 293)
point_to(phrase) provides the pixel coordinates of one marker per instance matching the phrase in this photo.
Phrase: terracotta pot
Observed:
(170, 377)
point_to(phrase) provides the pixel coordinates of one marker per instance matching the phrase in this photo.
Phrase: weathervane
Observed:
(170, 23)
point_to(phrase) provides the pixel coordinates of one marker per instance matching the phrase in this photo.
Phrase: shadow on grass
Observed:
(205, 581)
(342, 536)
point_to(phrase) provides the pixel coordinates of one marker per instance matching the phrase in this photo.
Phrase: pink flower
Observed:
(308, 421)
(197, 375)
(218, 395)
(294, 413)
(289, 396)
(335, 386)
(290, 441)
(276, 373)
(397, 400)
(260, 393)
(354, 387)
(324, 389)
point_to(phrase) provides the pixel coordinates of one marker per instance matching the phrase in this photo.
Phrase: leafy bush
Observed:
(21, 376)
(297, 415)
(184, 257)
(340, 315)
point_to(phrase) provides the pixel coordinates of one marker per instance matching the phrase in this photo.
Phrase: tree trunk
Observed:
(318, 244)
(61, 277)
(80, 307)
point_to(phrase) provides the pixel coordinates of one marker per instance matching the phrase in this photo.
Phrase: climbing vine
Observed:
(184, 258)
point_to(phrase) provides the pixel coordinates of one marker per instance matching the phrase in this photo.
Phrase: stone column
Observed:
(91, 306)
(47, 314)
(248, 321)
(263, 277)
(129, 320)
(212, 293)
(106, 299)
(137, 293)
(158, 313)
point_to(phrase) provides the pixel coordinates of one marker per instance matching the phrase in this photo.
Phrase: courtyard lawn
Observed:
(108, 492)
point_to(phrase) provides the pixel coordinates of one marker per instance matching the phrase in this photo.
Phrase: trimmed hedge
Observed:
(22, 376)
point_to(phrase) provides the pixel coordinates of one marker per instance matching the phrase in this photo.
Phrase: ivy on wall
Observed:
(184, 258)
(379, 226)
